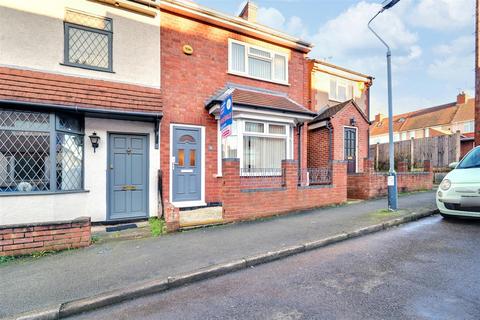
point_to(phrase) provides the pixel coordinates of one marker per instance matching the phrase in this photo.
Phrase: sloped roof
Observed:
(465, 112)
(48, 88)
(430, 117)
(333, 110)
(259, 99)
(422, 118)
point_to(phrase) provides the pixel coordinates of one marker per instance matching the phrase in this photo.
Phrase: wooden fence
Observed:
(440, 150)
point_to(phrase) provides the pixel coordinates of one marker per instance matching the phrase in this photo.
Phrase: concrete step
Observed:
(201, 217)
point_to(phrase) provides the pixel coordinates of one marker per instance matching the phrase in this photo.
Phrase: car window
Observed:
(471, 160)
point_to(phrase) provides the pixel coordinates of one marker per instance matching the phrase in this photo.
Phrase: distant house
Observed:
(341, 97)
(444, 119)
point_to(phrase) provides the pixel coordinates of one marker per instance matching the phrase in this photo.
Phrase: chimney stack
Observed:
(379, 117)
(249, 12)
(461, 98)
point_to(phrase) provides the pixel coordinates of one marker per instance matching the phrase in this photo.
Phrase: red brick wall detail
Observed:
(371, 184)
(318, 148)
(240, 205)
(29, 238)
(465, 147)
(49, 88)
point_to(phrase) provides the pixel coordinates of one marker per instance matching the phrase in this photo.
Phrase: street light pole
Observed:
(392, 175)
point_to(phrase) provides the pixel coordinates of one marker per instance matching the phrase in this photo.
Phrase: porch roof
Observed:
(259, 99)
(88, 112)
(332, 111)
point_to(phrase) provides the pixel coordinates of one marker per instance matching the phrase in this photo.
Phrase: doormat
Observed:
(122, 227)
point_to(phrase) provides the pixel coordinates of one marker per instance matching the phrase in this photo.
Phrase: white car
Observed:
(459, 193)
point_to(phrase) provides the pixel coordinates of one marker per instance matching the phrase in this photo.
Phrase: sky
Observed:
(432, 43)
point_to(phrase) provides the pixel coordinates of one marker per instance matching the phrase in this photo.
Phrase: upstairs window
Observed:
(340, 90)
(87, 41)
(469, 127)
(258, 63)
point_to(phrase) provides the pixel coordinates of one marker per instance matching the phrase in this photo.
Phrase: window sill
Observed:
(85, 67)
(40, 193)
(238, 74)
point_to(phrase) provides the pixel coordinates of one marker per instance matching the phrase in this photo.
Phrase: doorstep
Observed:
(125, 231)
(201, 217)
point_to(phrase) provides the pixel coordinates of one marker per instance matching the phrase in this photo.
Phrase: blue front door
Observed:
(128, 167)
(186, 175)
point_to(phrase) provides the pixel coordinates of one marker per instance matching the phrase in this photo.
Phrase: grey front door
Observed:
(350, 144)
(186, 175)
(128, 167)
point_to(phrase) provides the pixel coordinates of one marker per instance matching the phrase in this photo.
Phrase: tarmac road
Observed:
(428, 269)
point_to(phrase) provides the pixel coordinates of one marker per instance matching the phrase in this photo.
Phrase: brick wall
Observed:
(241, 203)
(49, 88)
(189, 80)
(318, 148)
(465, 147)
(371, 184)
(28, 238)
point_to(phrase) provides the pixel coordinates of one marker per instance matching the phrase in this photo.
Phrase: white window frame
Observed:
(468, 126)
(340, 82)
(247, 47)
(241, 132)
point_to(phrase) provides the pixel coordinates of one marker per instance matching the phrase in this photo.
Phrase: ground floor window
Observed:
(40, 151)
(259, 144)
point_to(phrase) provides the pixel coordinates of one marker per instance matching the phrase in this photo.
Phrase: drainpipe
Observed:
(299, 151)
(368, 117)
(330, 141)
(330, 148)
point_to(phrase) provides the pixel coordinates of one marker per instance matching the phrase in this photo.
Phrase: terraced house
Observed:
(80, 108)
(112, 110)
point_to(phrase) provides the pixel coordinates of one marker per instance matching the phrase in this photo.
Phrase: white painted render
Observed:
(32, 37)
(93, 202)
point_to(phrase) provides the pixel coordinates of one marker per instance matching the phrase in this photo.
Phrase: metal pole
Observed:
(392, 175)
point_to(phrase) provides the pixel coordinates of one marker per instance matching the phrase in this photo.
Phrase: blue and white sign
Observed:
(226, 117)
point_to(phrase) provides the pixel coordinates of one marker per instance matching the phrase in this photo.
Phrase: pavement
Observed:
(429, 269)
(39, 283)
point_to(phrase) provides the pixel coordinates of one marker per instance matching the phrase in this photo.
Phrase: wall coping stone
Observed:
(37, 224)
(316, 186)
(263, 190)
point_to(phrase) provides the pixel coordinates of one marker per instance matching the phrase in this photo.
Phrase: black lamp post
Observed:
(94, 139)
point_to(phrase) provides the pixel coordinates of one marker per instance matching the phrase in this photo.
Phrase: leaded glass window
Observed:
(88, 41)
(36, 155)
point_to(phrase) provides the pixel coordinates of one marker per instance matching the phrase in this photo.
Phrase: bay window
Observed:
(258, 144)
(40, 151)
(256, 62)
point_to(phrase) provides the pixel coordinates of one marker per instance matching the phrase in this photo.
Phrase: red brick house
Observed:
(206, 56)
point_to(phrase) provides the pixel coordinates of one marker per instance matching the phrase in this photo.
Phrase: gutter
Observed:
(237, 24)
(95, 112)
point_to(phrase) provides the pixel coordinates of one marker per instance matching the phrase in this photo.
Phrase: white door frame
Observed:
(183, 204)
